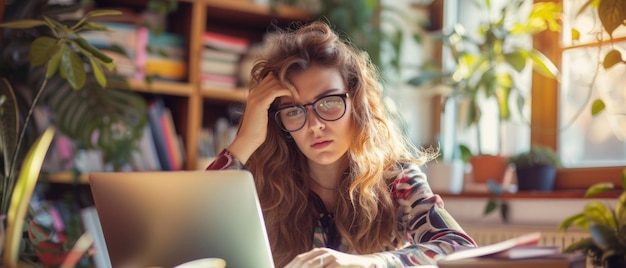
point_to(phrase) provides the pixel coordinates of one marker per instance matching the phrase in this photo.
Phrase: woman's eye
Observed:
(328, 104)
(293, 112)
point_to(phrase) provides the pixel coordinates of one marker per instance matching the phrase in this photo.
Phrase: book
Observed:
(175, 154)
(519, 243)
(526, 252)
(219, 67)
(521, 251)
(91, 223)
(225, 42)
(156, 109)
(209, 53)
(560, 260)
(215, 80)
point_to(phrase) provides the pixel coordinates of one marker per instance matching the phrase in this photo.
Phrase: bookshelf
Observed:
(193, 105)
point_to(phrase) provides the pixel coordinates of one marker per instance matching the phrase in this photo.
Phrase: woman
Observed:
(338, 183)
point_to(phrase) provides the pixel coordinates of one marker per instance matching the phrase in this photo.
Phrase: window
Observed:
(590, 146)
(599, 140)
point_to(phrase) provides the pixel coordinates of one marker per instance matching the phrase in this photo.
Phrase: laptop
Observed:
(167, 218)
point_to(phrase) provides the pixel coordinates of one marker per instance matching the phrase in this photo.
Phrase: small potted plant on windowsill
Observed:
(536, 168)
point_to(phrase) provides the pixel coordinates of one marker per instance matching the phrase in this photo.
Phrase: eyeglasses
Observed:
(328, 108)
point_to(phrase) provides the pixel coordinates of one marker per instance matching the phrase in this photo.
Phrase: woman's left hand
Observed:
(325, 257)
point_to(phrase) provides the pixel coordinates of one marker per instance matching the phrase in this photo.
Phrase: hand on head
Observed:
(253, 129)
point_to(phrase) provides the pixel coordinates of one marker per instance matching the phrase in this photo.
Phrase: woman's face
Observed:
(322, 142)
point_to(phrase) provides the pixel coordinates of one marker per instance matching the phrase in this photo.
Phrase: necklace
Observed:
(321, 186)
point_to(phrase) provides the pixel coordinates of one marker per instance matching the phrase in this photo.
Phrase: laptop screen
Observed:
(164, 219)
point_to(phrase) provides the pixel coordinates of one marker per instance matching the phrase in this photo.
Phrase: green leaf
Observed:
(103, 12)
(502, 92)
(599, 213)
(21, 195)
(22, 24)
(504, 212)
(543, 65)
(582, 244)
(569, 221)
(597, 188)
(516, 59)
(575, 35)
(611, 13)
(42, 49)
(98, 73)
(54, 62)
(466, 153)
(491, 207)
(597, 106)
(91, 50)
(73, 67)
(474, 113)
(620, 210)
(94, 26)
(612, 58)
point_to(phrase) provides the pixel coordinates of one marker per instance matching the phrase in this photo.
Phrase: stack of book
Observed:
(221, 58)
(165, 58)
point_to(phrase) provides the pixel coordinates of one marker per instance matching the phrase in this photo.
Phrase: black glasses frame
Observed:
(343, 96)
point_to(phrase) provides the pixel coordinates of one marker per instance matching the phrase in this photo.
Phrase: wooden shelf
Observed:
(65, 178)
(557, 194)
(248, 6)
(236, 95)
(161, 87)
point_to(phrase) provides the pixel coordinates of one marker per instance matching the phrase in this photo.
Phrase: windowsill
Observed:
(525, 208)
(560, 194)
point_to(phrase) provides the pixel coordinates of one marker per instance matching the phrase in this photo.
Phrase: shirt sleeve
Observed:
(225, 160)
(430, 231)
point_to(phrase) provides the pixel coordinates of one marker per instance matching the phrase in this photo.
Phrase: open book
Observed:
(524, 246)
(522, 251)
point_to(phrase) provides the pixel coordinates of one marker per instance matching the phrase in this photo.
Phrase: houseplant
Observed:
(50, 55)
(490, 68)
(536, 168)
(606, 225)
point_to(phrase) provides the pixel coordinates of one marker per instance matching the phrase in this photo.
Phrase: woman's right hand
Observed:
(253, 129)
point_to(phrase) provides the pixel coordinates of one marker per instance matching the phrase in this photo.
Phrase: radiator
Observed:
(485, 235)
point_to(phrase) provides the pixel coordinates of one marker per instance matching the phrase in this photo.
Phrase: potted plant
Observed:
(606, 225)
(536, 168)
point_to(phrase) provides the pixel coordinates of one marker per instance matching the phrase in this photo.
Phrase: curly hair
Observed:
(364, 213)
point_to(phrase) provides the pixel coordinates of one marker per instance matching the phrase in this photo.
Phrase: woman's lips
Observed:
(320, 145)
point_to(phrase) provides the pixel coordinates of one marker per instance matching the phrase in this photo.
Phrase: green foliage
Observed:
(612, 15)
(50, 59)
(496, 203)
(59, 52)
(605, 224)
(487, 66)
(537, 155)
